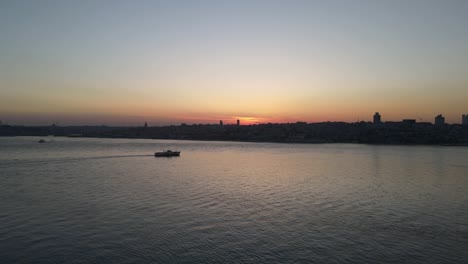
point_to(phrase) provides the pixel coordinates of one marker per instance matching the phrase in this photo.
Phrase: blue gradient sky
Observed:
(126, 62)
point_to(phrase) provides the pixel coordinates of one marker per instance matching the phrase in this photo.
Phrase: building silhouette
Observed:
(377, 118)
(439, 120)
(409, 121)
(465, 119)
(238, 122)
(220, 122)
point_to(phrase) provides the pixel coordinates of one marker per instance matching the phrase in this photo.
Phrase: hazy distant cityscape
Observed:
(406, 131)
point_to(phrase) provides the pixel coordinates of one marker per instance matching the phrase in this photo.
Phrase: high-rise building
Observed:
(220, 122)
(377, 118)
(465, 119)
(238, 122)
(439, 120)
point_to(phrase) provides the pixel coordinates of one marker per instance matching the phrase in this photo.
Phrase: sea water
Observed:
(77, 200)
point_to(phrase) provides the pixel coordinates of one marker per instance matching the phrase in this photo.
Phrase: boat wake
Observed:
(64, 160)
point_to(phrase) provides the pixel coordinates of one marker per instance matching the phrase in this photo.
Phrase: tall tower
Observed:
(238, 122)
(220, 122)
(439, 120)
(377, 118)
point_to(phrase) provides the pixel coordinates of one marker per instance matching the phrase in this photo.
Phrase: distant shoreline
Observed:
(270, 142)
(389, 133)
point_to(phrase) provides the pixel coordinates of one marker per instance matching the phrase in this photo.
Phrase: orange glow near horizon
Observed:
(137, 115)
(249, 120)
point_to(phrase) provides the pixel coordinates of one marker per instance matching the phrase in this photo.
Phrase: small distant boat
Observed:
(41, 141)
(167, 153)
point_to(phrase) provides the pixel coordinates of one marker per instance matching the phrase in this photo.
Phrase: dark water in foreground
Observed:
(110, 201)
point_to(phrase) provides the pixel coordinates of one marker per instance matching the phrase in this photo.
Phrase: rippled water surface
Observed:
(76, 200)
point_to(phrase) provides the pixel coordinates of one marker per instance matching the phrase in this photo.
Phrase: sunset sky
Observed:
(167, 62)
